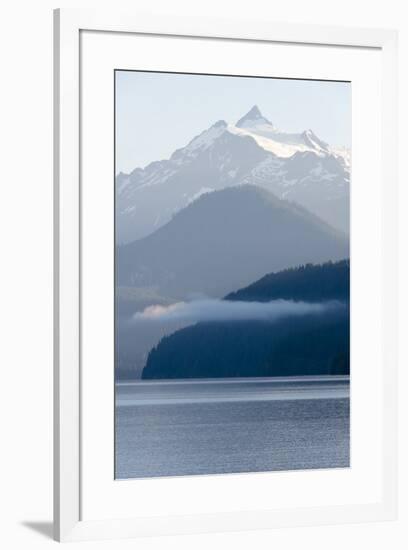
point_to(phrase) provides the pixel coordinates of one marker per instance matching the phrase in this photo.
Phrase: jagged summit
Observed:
(220, 124)
(299, 167)
(253, 116)
(311, 139)
(202, 141)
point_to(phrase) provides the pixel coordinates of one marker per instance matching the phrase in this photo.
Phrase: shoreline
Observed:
(236, 380)
(224, 390)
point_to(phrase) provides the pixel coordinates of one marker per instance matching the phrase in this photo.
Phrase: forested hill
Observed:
(312, 344)
(225, 240)
(309, 283)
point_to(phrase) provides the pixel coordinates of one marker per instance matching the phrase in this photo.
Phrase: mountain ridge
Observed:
(300, 167)
(224, 240)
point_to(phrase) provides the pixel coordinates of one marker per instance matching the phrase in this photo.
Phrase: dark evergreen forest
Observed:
(312, 344)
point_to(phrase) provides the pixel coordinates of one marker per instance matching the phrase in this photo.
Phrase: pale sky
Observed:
(157, 113)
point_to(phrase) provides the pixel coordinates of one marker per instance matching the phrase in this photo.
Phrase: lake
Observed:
(192, 427)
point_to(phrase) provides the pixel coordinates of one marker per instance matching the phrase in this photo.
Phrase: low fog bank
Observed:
(208, 310)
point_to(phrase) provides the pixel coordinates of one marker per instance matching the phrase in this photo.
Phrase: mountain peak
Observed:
(252, 118)
(220, 124)
(310, 138)
(202, 141)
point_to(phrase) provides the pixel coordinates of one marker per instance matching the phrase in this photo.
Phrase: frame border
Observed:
(67, 294)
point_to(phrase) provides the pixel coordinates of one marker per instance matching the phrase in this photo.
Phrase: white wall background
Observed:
(26, 271)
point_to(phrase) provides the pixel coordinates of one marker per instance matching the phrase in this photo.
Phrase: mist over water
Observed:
(224, 310)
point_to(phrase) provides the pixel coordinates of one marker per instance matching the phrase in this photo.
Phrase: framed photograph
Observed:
(225, 275)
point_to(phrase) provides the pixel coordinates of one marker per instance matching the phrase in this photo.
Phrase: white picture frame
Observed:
(68, 403)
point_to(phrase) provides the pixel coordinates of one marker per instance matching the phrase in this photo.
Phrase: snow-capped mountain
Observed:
(282, 144)
(297, 167)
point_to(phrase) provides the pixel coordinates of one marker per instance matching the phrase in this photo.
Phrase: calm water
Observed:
(167, 428)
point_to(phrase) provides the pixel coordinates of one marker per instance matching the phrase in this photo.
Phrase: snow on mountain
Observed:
(201, 142)
(282, 144)
(299, 167)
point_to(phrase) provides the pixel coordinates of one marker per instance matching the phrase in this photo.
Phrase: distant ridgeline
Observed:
(308, 283)
(308, 344)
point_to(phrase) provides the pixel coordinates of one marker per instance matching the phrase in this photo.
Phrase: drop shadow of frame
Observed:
(44, 528)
